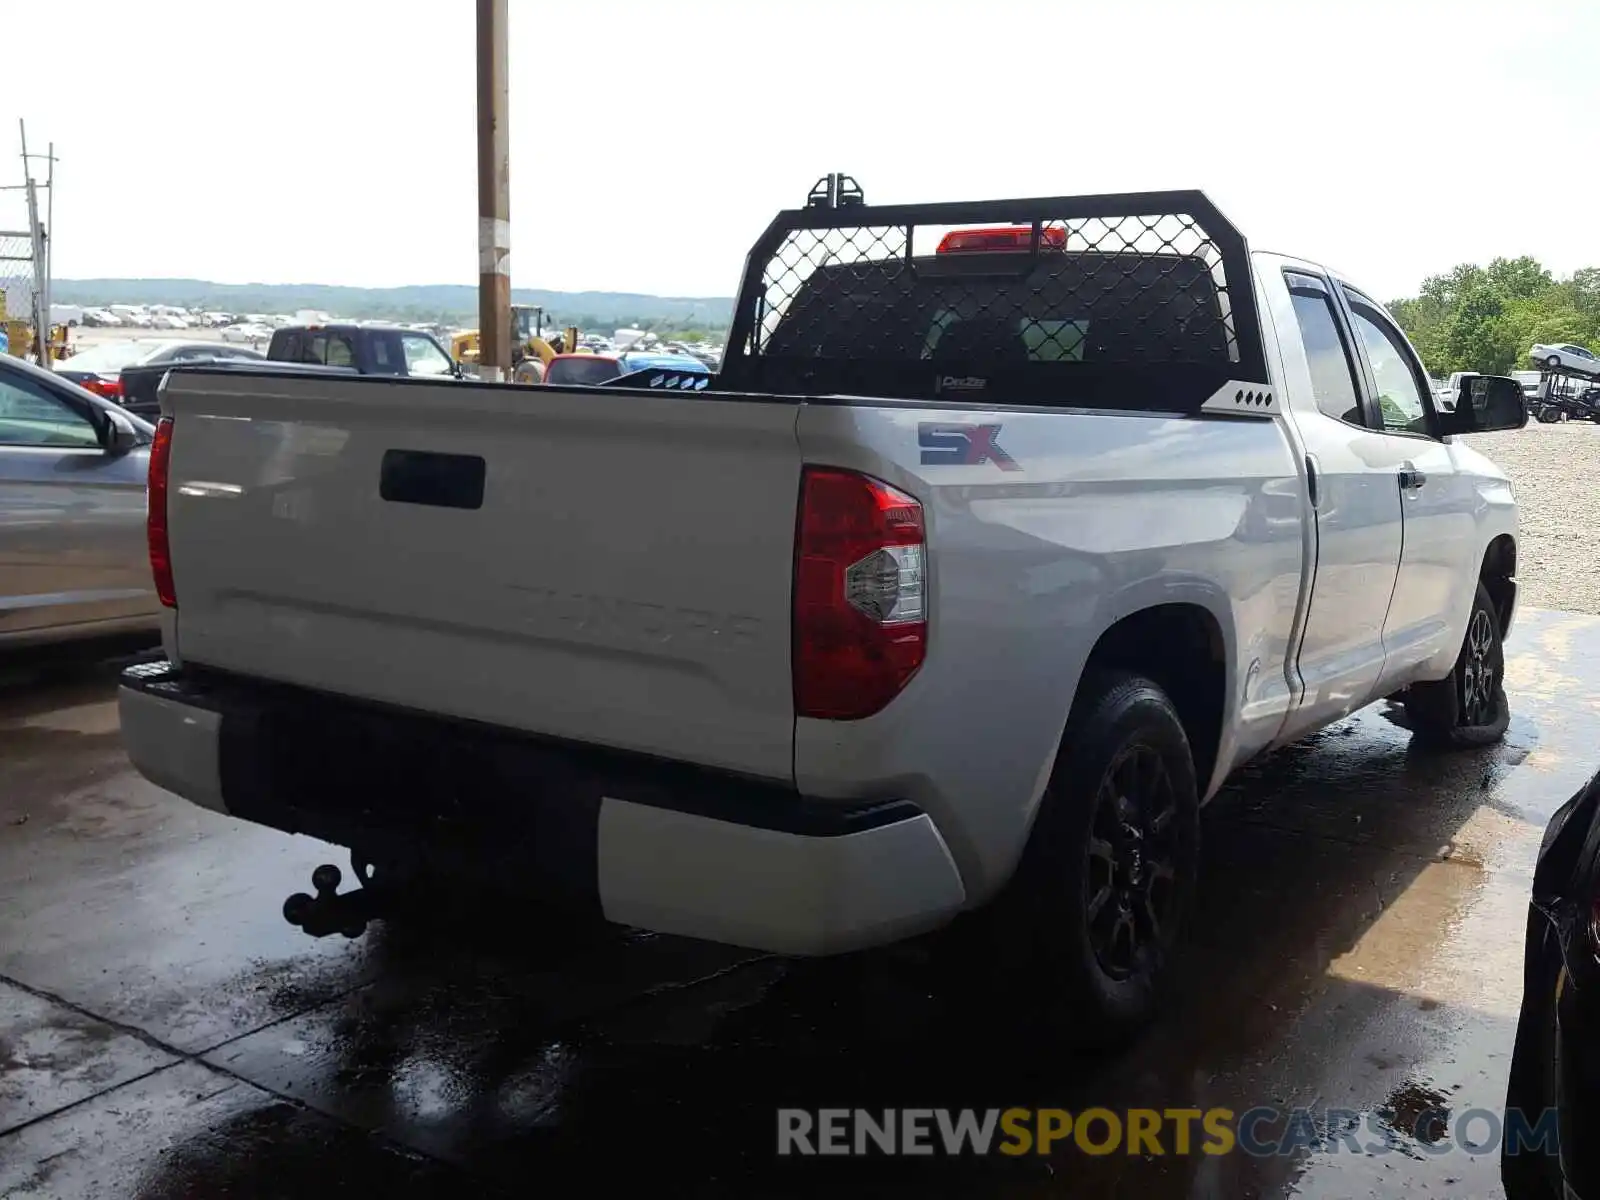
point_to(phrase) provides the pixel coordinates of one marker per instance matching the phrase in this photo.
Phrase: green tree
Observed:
(1518, 278)
(1476, 318)
(1476, 336)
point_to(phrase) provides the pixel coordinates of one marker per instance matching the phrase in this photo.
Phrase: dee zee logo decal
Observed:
(962, 446)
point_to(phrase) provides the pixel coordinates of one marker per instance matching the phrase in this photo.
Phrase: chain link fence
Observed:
(17, 277)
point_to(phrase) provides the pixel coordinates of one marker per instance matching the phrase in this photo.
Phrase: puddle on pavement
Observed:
(1357, 946)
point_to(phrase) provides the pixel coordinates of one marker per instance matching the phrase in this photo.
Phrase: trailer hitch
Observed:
(329, 912)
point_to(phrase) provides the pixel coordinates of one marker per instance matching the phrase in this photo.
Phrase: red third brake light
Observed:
(156, 513)
(860, 606)
(1001, 239)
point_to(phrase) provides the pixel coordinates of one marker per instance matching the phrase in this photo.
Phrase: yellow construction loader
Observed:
(531, 351)
(19, 340)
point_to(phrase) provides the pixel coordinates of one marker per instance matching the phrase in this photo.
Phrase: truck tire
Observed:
(1467, 708)
(1086, 930)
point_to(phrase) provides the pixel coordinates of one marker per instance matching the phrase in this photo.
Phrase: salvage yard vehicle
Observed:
(102, 368)
(1567, 358)
(340, 349)
(531, 351)
(1555, 1067)
(607, 368)
(373, 349)
(1006, 532)
(73, 557)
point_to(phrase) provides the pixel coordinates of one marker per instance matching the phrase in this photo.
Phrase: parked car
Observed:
(99, 368)
(1566, 357)
(246, 333)
(73, 544)
(138, 385)
(604, 368)
(167, 320)
(101, 318)
(1555, 1066)
(944, 606)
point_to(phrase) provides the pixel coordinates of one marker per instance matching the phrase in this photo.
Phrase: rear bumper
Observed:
(662, 846)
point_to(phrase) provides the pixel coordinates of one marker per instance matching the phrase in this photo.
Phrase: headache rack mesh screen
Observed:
(842, 298)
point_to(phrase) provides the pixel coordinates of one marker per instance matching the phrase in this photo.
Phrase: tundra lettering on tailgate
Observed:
(614, 621)
(962, 446)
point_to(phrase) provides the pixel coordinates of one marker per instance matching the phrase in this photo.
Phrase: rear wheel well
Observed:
(1179, 647)
(1498, 571)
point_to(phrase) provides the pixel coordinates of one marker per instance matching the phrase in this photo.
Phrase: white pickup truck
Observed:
(1006, 532)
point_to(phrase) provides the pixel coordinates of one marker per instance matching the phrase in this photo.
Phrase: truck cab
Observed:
(364, 350)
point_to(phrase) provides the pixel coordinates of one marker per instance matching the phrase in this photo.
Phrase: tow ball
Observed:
(329, 912)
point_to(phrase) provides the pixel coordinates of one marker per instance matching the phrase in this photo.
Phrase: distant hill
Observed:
(445, 302)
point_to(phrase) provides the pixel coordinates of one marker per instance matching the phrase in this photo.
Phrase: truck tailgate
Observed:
(612, 568)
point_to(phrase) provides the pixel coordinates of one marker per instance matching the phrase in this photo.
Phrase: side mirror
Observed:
(1486, 403)
(119, 435)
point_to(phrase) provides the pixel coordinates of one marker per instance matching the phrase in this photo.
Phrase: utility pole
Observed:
(494, 194)
(41, 261)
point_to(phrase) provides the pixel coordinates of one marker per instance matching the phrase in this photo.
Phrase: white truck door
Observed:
(1357, 504)
(1440, 555)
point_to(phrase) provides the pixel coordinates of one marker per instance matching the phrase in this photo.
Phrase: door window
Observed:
(1402, 400)
(423, 357)
(1333, 378)
(386, 359)
(31, 416)
(341, 353)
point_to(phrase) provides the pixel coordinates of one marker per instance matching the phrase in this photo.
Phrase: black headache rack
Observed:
(670, 379)
(1141, 300)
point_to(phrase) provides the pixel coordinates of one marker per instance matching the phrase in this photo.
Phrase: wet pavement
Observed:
(164, 1033)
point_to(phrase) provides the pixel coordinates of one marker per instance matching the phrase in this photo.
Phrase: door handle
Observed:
(1411, 478)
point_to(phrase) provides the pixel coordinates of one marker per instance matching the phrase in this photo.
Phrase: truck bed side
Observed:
(1101, 516)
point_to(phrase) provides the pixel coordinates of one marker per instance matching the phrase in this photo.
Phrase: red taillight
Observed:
(111, 389)
(860, 601)
(1003, 238)
(156, 513)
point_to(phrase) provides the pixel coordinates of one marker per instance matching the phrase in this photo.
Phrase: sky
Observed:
(334, 142)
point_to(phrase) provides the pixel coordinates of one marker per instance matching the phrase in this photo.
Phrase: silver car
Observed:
(73, 553)
(1566, 357)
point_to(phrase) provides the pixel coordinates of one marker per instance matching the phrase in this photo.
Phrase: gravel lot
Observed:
(1554, 469)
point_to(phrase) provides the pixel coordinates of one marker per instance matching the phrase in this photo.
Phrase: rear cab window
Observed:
(584, 370)
(287, 345)
(1071, 308)
(1109, 312)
